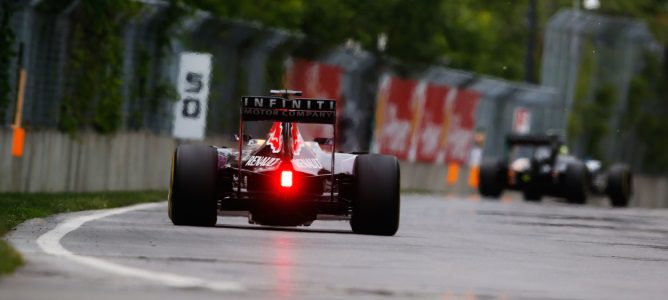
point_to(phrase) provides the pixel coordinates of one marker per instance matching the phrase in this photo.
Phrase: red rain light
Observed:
(286, 179)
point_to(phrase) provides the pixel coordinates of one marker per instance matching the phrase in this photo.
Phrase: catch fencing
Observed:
(428, 119)
(585, 52)
(242, 54)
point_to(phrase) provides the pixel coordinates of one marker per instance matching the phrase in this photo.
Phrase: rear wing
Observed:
(287, 109)
(533, 140)
(299, 110)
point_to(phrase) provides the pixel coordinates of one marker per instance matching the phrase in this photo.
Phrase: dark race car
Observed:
(538, 167)
(284, 180)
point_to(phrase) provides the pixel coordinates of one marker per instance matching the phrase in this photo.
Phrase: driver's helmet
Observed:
(563, 150)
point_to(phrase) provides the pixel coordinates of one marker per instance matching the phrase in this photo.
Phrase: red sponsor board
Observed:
(315, 80)
(460, 125)
(424, 122)
(433, 127)
(395, 117)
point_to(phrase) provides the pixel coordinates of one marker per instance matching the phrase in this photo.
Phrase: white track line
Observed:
(50, 244)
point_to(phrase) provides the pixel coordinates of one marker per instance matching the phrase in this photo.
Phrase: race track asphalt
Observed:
(446, 248)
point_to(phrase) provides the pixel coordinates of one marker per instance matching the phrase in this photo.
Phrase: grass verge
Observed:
(16, 208)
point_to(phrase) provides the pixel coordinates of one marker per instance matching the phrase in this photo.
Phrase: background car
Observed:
(539, 165)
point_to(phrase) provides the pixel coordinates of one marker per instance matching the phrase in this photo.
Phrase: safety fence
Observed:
(594, 60)
(243, 55)
(247, 59)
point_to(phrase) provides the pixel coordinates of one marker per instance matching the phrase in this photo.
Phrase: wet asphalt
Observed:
(446, 248)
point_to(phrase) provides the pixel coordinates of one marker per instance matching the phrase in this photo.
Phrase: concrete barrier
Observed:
(418, 177)
(55, 162)
(422, 177)
(649, 191)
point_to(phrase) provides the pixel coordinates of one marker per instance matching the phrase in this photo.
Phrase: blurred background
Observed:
(89, 90)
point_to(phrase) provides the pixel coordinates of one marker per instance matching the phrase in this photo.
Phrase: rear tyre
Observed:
(575, 183)
(620, 185)
(376, 202)
(492, 178)
(192, 192)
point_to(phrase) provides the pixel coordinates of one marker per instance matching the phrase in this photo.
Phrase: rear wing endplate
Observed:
(300, 110)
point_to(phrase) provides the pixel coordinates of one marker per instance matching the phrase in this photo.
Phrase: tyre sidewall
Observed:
(491, 181)
(620, 185)
(192, 196)
(376, 204)
(575, 183)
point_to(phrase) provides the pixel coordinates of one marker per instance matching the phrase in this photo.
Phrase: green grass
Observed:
(16, 208)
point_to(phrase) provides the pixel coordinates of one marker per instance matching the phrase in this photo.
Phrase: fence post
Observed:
(355, 65)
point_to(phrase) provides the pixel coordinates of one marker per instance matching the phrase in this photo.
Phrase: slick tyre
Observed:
(575, 183)
(192, 193)
(376, 202)
(620, 185)
(492, 178)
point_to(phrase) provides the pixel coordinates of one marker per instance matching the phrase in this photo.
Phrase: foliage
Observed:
(16, 208)
(576, 118)
(646, 113)
(479, 34)
(285, 13)
(54, 6)
(598, 114)
(94, 69)
(6, 54)
(275, 75)
(486, 37)
(463, 34)
(590, 116)
(654, 12)
(150, 89)
(9, 258)
(139, 90)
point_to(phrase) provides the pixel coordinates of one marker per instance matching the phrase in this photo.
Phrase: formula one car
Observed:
(538, 167)
(284, 180)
